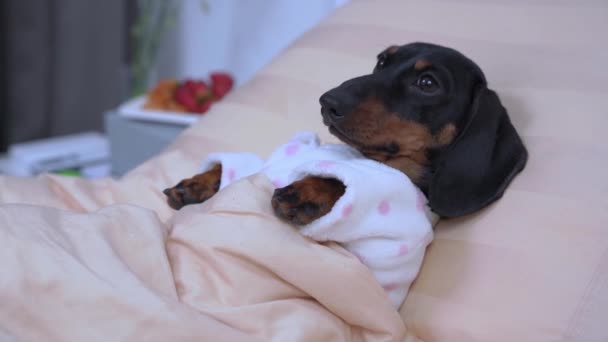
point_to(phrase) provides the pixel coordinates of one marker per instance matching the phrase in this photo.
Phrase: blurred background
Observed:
(65, 63)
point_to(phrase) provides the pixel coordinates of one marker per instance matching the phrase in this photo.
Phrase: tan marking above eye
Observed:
(392, 49)
(446, 135)
(422, 64)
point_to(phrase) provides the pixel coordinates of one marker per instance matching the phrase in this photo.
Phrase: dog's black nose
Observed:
(331, 106)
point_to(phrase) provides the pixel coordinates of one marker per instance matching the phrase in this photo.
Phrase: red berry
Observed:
(199, 89)
(221, 84)
(202, 107)
(188, 83)
(185, 97)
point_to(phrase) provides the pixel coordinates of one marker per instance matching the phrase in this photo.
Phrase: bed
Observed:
(109, 260)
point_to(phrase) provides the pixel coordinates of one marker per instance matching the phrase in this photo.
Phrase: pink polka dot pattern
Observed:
(420, 201)
(384, 208)
(403, 250)
(231, 175)
(292, 149)
(390, 286)
(347, 210)
(324, 165)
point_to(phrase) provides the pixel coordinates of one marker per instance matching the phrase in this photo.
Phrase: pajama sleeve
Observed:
(381, 219)
(235, 165)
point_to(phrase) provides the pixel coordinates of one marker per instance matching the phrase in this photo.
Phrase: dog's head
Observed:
(427, 111)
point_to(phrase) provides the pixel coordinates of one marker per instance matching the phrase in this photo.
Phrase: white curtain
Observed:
(239, 36)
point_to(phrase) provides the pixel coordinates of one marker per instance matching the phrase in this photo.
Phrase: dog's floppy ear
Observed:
(476, 168)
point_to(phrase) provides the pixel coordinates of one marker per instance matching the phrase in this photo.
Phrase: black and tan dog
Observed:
(425, 110)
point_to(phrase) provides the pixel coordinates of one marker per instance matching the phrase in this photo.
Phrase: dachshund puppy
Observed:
(425, 110)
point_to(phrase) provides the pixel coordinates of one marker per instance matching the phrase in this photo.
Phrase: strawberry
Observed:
(196, 96)
(190, 84)
(199, 89)
(203, 106)
(221, 84)
(185, 97)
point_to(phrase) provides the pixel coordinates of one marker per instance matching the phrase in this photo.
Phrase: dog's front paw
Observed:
(194, 190)
(306, 200)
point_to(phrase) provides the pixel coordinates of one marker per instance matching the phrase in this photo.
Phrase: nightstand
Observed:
(132, 141)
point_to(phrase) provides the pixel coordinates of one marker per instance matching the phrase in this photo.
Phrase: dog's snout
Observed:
(331, 106)
(338, 103)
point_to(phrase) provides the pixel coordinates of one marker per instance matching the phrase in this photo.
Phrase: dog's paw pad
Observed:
(306, 200)
(194, 190)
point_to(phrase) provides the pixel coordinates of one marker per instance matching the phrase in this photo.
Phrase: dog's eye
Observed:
(427, 83)
(381, 61)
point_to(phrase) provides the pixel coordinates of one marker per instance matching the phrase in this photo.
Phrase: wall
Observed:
(236, 35)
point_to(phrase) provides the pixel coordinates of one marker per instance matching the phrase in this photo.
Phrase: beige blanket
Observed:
(532, 267)
(226, 270)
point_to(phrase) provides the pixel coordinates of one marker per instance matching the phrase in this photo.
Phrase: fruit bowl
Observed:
(134, 109)
(178, 102)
